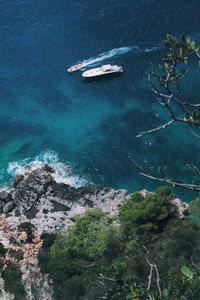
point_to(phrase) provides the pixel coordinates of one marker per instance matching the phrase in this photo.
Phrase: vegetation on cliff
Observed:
(150, 254)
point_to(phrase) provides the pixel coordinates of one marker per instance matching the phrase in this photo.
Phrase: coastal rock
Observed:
(50, 205)
(17, 180)
(5, 196)
(182, 208)
(8, 207)
(28, 188)
(24, 198)
(46, 168)
(37, 180)
(145, 192)
(1, 206)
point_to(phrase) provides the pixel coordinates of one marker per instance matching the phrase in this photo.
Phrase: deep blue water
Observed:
(90, 125)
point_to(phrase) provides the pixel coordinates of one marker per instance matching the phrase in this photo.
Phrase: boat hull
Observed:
(75, 68)
(98, 72)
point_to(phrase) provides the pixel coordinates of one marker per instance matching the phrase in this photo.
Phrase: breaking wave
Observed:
(62, 172)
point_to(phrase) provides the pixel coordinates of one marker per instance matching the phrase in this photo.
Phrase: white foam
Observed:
(116, 52)
(151, 49)
(108, 54)
(63, 172)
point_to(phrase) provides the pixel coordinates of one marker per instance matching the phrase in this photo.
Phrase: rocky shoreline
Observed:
(37, 198)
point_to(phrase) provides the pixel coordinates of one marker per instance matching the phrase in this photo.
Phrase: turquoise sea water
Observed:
(88, 129)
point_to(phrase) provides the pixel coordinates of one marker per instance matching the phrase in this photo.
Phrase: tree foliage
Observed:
(150, 254)
(13, 283)
(147, 215)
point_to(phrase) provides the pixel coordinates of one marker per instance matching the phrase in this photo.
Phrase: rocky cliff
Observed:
(36, 197)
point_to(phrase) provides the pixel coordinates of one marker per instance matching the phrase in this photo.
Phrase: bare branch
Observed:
(194, 168)
(150, 276)
(156, 129)
(158, 279)
(105, 277)
(187, 186)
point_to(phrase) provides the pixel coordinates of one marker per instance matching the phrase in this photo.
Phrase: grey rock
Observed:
(17, 180)
(8, 207)
(5, 196)
(145, 192)
(24, 198)
(182, 208)
(1, 206)
(50, 205)
(46, 168)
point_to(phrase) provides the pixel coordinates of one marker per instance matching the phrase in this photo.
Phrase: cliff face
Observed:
(36, 197)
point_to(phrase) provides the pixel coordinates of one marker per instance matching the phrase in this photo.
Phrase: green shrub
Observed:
(13, 283)
(141, 216)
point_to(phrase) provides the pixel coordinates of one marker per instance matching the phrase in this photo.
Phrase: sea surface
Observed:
(87, 129)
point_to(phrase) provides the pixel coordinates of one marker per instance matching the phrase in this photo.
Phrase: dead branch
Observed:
(168, 92)
(187, 186)
(106, 278)
(156, 129)
(193, 168)
(153, 267)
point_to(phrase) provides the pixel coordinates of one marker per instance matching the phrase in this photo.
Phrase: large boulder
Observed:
(37, 181)
(30, 187)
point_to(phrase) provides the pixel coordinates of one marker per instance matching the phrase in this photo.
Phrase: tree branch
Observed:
(150, 276)
(156, 129)
(193, 168)
(187, 186)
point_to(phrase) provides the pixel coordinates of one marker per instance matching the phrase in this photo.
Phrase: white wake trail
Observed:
(116, 52)
(108, 54)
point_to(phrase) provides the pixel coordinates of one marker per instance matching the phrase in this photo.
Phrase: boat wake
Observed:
(151, 49)
(116, 52)
(62, 172)
(106, 55)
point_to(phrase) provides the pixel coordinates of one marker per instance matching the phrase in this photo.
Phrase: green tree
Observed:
(141, 216)
(195, 208)
(86, 239)
(13, 283)
(79, 254)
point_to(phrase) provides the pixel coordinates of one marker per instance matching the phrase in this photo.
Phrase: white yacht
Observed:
(103, 70)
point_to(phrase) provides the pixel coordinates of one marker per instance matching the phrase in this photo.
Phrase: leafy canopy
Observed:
(147, 215)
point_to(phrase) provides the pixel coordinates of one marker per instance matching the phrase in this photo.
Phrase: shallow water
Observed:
(90, 126)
